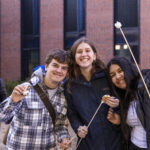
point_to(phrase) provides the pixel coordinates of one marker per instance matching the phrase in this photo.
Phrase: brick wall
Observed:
(145, 34)
(99, 29)
(51, 30)
(10, 39)
(99, 26)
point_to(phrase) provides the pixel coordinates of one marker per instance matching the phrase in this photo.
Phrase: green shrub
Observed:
(10, 86)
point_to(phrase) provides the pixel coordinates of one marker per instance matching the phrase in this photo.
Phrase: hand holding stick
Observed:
(103, 100)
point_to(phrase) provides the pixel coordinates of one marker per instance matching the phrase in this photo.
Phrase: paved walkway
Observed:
(3, 128)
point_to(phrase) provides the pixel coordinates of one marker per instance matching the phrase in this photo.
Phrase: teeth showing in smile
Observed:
(58, 75)
(84, 59)
(121, 82)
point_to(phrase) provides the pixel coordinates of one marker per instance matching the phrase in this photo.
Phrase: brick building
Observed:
(31, 28)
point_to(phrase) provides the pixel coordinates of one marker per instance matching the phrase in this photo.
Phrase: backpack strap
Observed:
(45, 101)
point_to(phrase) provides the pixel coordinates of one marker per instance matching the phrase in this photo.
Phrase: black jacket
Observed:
(83, 101)
(143, 104)
(3, 94)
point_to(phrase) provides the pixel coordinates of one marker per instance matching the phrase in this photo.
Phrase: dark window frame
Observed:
(30, 41)
(132, 35)
(71, 36)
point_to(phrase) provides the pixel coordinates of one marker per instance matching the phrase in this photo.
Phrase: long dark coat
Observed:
(83, 101)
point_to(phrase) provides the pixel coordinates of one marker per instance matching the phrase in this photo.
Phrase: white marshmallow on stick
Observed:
(105, 97)
(118, 25)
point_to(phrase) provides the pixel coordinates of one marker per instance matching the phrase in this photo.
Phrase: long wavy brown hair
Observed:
(74, 70)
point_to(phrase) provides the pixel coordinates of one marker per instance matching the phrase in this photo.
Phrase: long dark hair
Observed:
(126, 96)
(74, 70)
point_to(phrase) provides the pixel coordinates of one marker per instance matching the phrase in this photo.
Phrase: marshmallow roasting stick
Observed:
(102, 101)
(118, 25)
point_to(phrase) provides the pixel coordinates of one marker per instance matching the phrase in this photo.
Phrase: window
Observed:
(30, 36)
(74, 21)
(127, 12)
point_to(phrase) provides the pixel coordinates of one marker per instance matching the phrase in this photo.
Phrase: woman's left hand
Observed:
(112, 102)
(113, 117)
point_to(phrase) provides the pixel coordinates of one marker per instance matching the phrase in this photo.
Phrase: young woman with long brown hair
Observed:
(86, 86)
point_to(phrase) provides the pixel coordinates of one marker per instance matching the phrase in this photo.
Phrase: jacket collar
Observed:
(81, 79)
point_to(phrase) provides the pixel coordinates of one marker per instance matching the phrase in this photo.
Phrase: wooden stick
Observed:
(91, 121)
(135, 62)
(72, 138)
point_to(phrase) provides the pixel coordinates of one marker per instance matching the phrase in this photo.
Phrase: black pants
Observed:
(134, 147)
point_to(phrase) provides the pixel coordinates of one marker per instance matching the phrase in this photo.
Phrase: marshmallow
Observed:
(105, 97)
(118, 25)
(25, 93)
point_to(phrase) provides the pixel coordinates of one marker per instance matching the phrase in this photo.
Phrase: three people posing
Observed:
(32, 127)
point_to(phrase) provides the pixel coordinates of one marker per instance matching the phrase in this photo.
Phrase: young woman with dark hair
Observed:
(87, 85)
(134, 102)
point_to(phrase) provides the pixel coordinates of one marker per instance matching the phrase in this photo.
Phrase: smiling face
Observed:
(55, 73)
(85, 56)
(117, 76)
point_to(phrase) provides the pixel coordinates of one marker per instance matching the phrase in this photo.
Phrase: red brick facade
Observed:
(145, 34)
(99, 29)
(99, 26)
(51, 22)
(10, 50)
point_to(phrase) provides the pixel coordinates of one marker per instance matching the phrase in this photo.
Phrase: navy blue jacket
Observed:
(83, 101)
